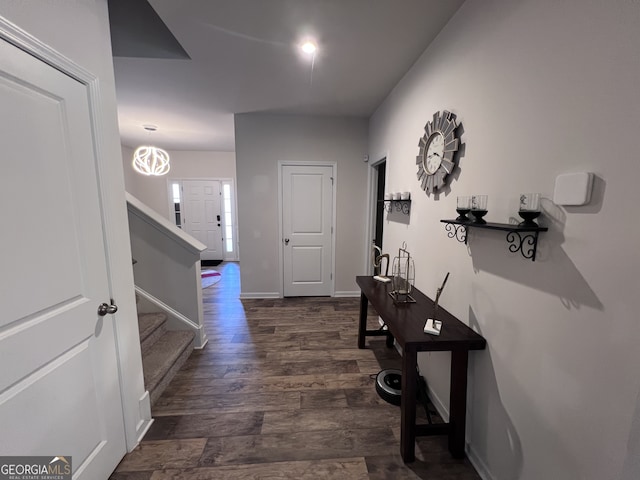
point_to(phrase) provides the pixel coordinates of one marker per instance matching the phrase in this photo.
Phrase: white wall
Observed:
(541, 87)
(153, 191)
(130, 175)
(263, 140)
(79, 30)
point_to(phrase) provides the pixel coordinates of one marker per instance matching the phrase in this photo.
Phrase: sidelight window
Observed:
(176, 201)
(228, 217)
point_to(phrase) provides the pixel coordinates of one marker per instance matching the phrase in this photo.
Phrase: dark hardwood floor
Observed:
(282, 391)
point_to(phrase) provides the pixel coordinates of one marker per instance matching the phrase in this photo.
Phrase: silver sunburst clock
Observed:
(435, 159)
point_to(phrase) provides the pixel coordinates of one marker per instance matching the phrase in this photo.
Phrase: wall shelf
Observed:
(521, 238)
(403, 206)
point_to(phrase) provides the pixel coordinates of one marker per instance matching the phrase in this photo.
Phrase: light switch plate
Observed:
(573, 189)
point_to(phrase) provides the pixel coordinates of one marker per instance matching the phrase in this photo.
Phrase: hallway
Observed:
(282, 391)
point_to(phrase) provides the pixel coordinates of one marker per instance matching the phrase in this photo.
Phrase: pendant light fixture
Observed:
(149, 160)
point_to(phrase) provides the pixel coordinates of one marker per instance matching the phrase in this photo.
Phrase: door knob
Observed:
(286, 241)
(105, 308)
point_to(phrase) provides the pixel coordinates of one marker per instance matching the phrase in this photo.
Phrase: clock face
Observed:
(433, 154)
(437, 147)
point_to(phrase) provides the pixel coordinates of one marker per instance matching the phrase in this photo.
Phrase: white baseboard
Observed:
(478, 464)
(338, 294)
(203, 340)
(442, 409)
(347, 293)
(248, 295)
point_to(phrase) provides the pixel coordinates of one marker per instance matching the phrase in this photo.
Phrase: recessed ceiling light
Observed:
(309, 47)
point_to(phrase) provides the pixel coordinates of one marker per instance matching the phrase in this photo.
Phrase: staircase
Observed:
(168, 338)
(163, 351)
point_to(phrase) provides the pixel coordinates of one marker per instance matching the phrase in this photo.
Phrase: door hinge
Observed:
(331, 276)
(331, 180)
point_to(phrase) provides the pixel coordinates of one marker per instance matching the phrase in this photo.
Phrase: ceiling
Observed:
(239, 56)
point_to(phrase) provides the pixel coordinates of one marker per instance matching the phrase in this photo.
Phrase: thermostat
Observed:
(573, 189)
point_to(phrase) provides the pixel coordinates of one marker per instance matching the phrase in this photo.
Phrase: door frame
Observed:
(372, 186)
(136, 407)
(280, 240)
(234, 208)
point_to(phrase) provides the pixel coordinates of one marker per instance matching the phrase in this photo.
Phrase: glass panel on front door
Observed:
(175, 194)
(228, 217)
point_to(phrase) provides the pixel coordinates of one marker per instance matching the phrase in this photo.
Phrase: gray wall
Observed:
(542, 87)
(263, 140)
(166, 267)
(153, 191)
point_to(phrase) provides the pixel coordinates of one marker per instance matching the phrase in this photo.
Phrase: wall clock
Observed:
(437, 147)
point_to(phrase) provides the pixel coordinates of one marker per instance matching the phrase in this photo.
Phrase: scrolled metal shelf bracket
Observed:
(459, 232)
(403, 206)
(525, 243)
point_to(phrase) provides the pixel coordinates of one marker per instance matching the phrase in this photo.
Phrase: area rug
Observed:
(210, 277)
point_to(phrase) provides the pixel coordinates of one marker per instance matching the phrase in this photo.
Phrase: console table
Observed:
(405, 322)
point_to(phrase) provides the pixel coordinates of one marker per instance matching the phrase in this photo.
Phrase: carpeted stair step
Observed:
(163, 360)
(151, 327)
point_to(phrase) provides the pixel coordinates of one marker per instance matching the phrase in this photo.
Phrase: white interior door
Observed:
(59, 383)
(202, 215)
(307, 221)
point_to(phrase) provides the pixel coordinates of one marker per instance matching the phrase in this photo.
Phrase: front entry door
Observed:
(202, 215)
(307, 221)
(59, 381)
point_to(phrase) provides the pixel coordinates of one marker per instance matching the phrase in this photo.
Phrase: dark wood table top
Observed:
(406, 321)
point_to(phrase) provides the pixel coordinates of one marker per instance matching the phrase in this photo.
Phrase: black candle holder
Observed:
(528, 217)
(478, 214)
(462, 214)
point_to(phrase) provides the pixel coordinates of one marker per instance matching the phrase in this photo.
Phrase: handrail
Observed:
(163, 225)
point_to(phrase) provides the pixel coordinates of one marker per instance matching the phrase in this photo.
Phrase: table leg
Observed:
(458, 402)
(390, 339)
(362, 326)
(408, 405)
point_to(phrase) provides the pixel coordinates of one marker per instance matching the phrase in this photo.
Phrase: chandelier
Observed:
(149, 160)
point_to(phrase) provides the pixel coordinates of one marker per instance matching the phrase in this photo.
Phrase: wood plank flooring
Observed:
(281, 391)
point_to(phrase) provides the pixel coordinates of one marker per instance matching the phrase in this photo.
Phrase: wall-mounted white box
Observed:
(573, 189)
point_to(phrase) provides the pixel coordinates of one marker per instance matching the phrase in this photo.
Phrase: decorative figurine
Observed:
(376, 259)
